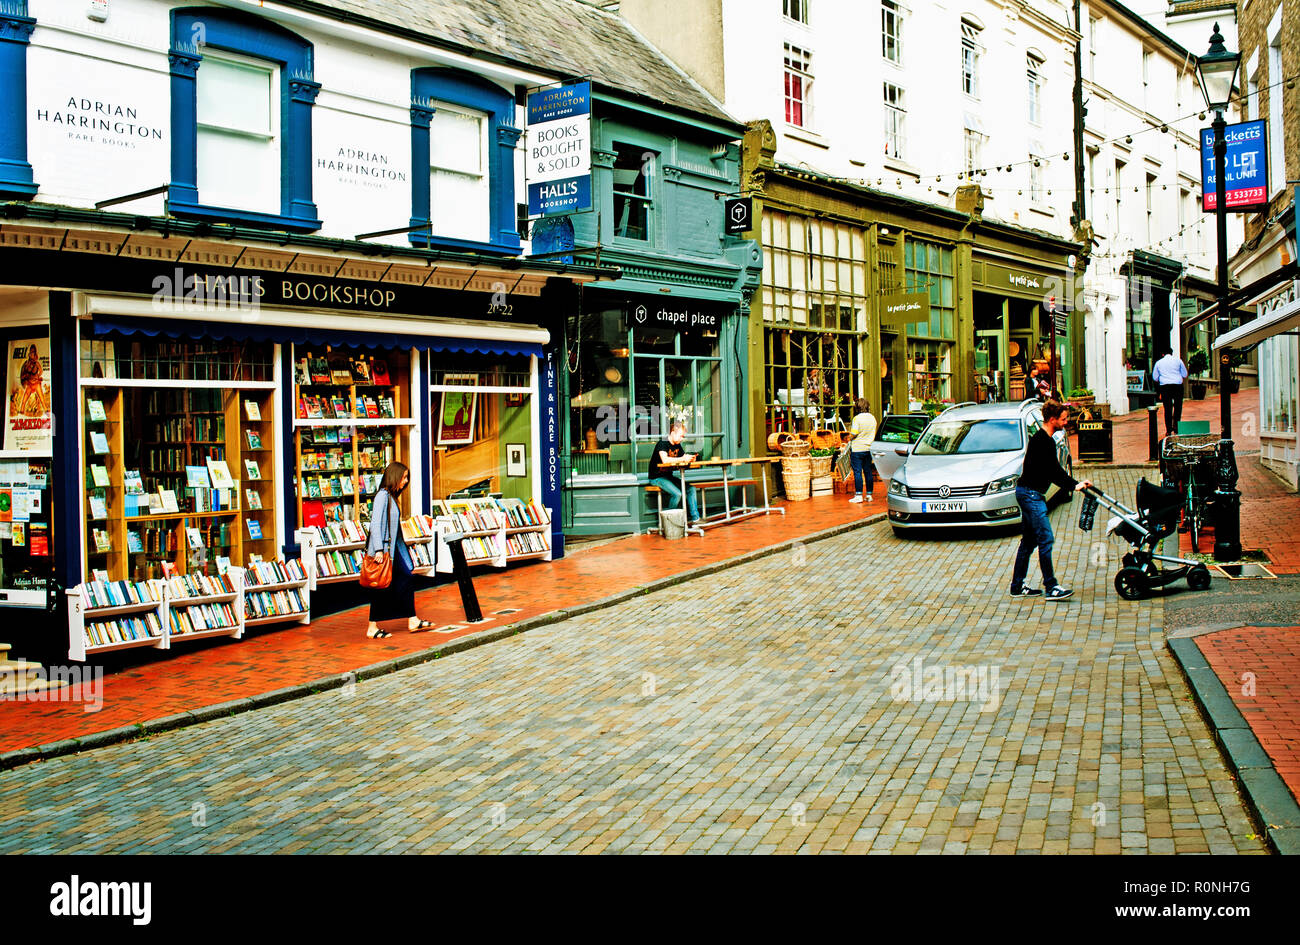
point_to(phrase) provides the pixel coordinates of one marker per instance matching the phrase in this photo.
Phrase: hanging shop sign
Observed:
(904, 307)
(1245, 168)
(1015, 280)
(739, 214)
(29, 421)
(677, 314)
(558, 150)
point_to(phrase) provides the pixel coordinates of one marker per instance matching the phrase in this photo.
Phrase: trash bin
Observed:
(672, 523)
(1096, 441)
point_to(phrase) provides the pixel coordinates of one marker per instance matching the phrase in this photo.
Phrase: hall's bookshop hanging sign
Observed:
(558, 146)
(29, 420)
(1245, 168)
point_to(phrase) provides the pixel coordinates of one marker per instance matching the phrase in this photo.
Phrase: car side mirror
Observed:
(901, 452)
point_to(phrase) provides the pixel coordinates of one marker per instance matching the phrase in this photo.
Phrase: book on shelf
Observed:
(360, 371)
(319, 370)
(339, 405)
(98, 476)
(134, 541)
(167, 498)
(196, 477)
(95, 409)
(98, 442)
(221, 478)
(301, 372)
(254, 439)
(340, 371)
(133, 484)
(254, 529)
(252, 411)
(251, 469)
(274, 572)
(379, 372)
(103, 543)
(98, 507)
(386, 407)
(194, 537)
(254, 500)
(169, 569)
(313, 513)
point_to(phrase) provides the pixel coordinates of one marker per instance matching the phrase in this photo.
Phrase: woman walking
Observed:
(397, 600)
(864, 431)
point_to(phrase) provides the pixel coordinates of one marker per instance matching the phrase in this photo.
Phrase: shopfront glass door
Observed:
(990, 367)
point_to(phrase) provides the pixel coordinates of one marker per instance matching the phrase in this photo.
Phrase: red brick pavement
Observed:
(1272, 654)
(169, 682)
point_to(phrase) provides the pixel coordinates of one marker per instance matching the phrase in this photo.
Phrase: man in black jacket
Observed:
(1041, 470)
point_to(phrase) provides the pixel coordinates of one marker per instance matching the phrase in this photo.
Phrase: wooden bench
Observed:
(701, 485)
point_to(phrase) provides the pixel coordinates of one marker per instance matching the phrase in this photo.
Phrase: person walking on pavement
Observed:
(1041, 470)
(1169, 374)
(864, 431)
(398, 598)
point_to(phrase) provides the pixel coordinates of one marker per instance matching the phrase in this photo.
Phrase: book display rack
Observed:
(276, 592)
(497, 530)
(332, 554)
(351, 422)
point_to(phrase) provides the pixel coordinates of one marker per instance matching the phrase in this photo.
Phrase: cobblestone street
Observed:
(785, 705)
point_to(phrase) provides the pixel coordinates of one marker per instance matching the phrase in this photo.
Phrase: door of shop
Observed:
(890, 399)
(991, 365)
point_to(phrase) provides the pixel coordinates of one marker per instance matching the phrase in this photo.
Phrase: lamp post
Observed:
(1217, 73)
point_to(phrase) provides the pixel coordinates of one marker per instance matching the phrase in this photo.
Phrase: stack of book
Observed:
(196, 618)
(283, 603)
(118, 593)
(199, 585)
(127, 629)
(526, 543)
(338, 563)
(274, 572)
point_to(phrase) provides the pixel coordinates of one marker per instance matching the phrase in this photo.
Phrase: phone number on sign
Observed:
(1235, 198)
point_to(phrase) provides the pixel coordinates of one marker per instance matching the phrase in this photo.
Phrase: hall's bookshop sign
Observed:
(1245, 168)
(558, 146)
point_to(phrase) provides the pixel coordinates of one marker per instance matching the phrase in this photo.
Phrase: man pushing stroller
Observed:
(1040, 471)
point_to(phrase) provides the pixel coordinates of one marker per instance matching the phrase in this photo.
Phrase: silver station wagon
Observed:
(964, 468)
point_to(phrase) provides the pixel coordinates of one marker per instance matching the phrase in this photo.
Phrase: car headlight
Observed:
(896, 487)
(1001, 485)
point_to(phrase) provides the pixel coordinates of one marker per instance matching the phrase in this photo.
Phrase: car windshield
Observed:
(901, 429)
(951, 437)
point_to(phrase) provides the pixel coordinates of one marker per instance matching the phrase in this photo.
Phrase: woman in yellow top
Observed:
(864, 431)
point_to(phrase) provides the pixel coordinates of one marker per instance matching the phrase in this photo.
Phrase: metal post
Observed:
(1221, 224)
(1153, 434)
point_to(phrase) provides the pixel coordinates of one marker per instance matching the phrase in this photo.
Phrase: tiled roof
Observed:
(1177, 7)
(562, 37)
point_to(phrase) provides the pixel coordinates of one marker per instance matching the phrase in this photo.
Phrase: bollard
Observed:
(1153, 434)
(460, 567)
(1227, 505)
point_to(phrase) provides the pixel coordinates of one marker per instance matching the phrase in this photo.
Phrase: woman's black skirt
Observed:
(397, 601)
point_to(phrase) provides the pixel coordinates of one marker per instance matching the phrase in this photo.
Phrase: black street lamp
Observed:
(1217, 72)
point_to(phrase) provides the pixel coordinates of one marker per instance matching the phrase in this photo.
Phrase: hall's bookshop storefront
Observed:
(223, 456)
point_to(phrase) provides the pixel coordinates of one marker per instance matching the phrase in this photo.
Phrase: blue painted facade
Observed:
(16, 28)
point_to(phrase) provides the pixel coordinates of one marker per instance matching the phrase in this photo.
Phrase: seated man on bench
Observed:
(668, 454)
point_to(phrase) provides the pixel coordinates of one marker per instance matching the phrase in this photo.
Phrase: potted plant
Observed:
(1198, 362)
(1080, 397)
(1236, 358)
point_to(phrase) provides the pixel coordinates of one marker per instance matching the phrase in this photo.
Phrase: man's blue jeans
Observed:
(673, 491)
(1037, 532)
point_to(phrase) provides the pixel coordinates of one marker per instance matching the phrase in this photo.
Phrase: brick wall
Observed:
(1252, 26)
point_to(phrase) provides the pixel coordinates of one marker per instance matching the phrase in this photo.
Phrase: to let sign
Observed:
(558, 148)
(1245, 168)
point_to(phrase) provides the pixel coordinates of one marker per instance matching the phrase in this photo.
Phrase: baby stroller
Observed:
(1158, 509)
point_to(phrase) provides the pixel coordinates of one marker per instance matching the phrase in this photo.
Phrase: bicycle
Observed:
(1188, 463)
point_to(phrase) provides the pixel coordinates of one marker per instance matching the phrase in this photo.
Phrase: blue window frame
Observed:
(238, 41)
(16, 27)
(472, 101)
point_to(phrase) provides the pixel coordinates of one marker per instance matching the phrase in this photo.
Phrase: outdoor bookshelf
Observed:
(200, 606)
(497, 531)
(276, 592)
(331, 554)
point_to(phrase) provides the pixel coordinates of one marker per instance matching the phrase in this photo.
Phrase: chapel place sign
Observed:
(678, 315)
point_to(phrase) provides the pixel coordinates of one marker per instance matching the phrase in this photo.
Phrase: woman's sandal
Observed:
(422, 626)
(378, 635)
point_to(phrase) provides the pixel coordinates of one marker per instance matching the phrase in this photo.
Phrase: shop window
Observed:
(26, 535)
(242, 96)
(180, 477)
(1139, 353)
(353, 418)
(1277, 384)
(482, 437)
(634, 169)
(813, 379)
(929, 268)
(462, 130)
(930, 372)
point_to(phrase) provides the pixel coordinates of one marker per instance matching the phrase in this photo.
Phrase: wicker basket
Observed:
(795, 447)
(825, 439)
(796, 476)
(775, 440)
(821, 465)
